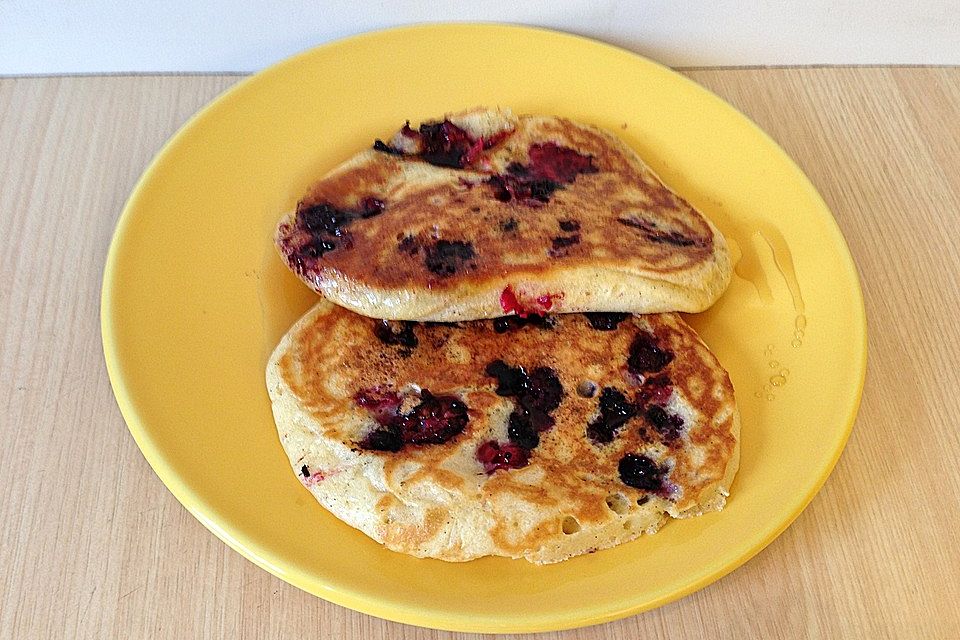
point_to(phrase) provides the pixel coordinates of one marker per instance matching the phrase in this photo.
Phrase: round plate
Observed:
(195, 298)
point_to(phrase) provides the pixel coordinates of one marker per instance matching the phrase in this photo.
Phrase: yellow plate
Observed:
(194, 299)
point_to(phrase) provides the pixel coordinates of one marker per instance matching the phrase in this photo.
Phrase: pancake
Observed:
(539, 438)
(485, 214)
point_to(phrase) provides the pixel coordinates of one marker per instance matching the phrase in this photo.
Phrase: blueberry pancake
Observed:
(540, 438)
(485, 214)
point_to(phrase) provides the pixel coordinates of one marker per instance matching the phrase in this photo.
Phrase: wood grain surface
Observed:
(92, 545)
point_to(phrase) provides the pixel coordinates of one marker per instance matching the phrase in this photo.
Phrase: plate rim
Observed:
(351, 599)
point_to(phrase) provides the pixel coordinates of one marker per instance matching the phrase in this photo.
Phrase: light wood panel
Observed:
(92, 545)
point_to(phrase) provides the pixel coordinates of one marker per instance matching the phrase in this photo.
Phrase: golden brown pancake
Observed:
(538, 438)
(484, 214)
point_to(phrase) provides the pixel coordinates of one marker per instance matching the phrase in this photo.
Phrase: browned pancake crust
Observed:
(451, 359)
(620, 218)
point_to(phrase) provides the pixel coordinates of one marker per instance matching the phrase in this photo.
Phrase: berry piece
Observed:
(383, 405)
(370, 207)
(447, 145)
(668, 425)
(537, 394)
(655, 390)
(435, 420)
(646, 356)
(521, 431)
(511, 381)
(494, 455)
(606, 321)
(550, 167)
(446, 257)
(391, 334)
(545, 390)
(383, 440)
(443, 144)
(510, 304)
(640, 472)
(557, 163)
(326, 230)
(615, 411)
(532, 193)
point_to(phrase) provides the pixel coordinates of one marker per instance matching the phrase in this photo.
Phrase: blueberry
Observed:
(668, 425)
(536, 395)
(446, 257)
(389, 333)
(606, 321)
(646, 356)
(641, 472)
(522, 432)
(511, 381)
(615, 411)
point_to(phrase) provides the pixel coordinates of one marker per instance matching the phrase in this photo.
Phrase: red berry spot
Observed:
(447, 145)
(493, 455)
(383, 405)
(313, 478)
(560, 164)
(386, 439)
(473, 152)
(655, 390)
(444, 144)
(510, 304)
(551, 166)
(540, 305)
(371, 206)
(434, 420)
(528, 191)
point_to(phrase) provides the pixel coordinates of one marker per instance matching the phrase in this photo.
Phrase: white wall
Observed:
(71, 36)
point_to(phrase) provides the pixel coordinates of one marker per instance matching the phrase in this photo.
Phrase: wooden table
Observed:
(92, 545)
